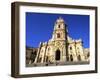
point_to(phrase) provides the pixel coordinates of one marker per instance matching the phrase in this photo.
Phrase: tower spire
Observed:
(60, 20)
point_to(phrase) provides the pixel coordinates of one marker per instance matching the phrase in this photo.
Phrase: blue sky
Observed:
(39, 27)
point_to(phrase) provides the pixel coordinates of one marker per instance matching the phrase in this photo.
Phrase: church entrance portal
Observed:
(57, 56)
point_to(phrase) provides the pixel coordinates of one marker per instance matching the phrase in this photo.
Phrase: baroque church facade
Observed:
(61, 47)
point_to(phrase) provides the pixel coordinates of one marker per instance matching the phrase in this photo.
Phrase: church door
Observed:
(71, 57)
(79, 57)
(57, 56)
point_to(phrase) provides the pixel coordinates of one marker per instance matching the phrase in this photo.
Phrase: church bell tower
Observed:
(60, 39)
(60, 32)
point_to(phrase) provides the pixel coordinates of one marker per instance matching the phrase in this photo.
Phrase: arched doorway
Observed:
(79, 57)
(47, 59)
(71, 58)
(57, 56)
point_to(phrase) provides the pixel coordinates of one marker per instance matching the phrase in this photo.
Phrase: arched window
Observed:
(70, 48)
(58, 35)
(58, 26)
(88, 54)
(49, 49)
